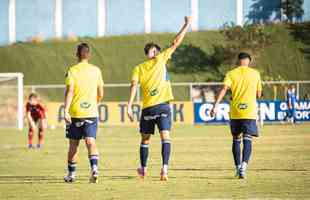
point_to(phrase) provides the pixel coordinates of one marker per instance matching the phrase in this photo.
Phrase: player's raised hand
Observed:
(188, 20)
(181, 34)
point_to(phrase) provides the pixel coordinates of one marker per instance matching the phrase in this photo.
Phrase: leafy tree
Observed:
(192, 59)
(292, 9)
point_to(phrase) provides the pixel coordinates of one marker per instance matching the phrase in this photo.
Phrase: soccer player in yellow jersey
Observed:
(84, 89)
(245, 85)
(156, 93)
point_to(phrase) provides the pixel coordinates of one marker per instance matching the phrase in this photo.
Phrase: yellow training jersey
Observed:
(154, 79)
(244, 83)
(86, 78)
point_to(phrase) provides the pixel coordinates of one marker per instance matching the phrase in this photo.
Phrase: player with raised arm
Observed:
(84, 89)
(245, 85)
(156, 93)
(36, 117)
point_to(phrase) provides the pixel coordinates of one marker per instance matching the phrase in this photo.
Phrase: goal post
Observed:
(11, 100)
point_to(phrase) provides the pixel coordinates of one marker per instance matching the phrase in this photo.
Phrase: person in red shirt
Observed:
(36, 117)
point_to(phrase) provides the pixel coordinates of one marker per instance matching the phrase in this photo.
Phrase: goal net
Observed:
(11, 100)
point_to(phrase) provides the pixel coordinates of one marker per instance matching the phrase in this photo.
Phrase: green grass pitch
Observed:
(201, 166)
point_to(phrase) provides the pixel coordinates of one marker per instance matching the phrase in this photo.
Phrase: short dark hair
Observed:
(150, 45)
(244, 55)
(32, 95)
(81, 47)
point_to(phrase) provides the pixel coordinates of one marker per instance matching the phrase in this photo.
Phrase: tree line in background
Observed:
(251, 38)
(192, 59)
(292, 9)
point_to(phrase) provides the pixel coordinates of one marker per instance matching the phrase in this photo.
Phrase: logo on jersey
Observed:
(242, 106)
(154, 92)
(85, 105)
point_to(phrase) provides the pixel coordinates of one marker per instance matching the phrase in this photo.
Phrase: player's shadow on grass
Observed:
(231, 169)
(200, 169)
(52, 179)
(30, 179)
(121, 177)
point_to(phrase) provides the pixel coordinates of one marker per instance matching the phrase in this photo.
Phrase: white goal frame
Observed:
(20, 96)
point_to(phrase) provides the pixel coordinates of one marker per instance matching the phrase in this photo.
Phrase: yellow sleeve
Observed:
(227, 80)
(135, 74)
(69, 78)
(259, 84)
(100, 82)
(166, 54)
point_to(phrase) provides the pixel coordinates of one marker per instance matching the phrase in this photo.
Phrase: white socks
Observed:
(165, 169)
(244, 166)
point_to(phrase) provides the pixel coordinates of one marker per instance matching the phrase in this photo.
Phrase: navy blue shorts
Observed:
(245, 126)
(81, 128)
(291, 112)
(159, 115)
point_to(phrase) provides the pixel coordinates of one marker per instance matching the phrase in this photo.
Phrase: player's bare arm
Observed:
(133, 92)
(68, 100)
(259, 94)
(180, 36)
(44, 110)
(30, 120)
(219, 99)
(100, 93)
(44, 120)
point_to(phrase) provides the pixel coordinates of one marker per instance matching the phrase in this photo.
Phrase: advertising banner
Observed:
(269, 111)
(115, 113)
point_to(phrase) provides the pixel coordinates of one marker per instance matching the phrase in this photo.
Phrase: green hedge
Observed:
(46, 63)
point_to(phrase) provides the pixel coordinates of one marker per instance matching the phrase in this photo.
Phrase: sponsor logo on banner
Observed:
(202, 113)
(277, 110)
(115, 113)
(269, 111)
